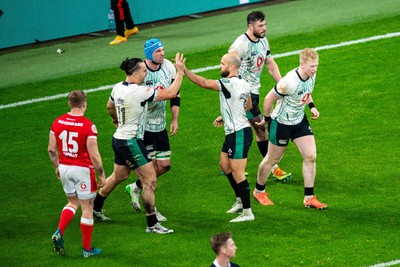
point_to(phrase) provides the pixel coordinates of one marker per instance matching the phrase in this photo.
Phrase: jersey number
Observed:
(68, 141)
(120, 115)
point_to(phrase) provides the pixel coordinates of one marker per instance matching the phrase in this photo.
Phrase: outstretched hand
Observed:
(180, 62)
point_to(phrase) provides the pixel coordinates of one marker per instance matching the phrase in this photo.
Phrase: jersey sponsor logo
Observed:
(305, 98)
(70, 123)
(259, 62)
(160, 87)
(282, 142)
(69, 154)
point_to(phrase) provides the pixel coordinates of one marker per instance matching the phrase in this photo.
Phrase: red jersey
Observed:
(71, 133)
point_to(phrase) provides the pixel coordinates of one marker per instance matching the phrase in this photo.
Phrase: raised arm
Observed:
(201, 81)
(176, 84)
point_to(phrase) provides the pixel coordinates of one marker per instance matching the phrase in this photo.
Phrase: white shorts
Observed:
(80, 181)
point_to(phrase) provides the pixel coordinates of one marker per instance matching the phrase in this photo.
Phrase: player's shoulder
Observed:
(240, 40)
(169, 66)
(167, 63)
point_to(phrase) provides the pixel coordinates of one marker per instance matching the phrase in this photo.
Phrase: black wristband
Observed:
(267, 119)
(311, 105)
(175, 102)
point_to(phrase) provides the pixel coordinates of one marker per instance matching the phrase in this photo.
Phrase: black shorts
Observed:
(237, 144)
(130, 152)
(157, 144)
(254, 111)
(279, 134)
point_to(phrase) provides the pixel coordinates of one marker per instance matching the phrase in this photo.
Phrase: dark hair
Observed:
(255, 16)
(76, 99)
(219, 240)
(130, 65)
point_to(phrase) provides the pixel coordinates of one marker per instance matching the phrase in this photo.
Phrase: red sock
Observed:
(66, 216)
(87, 229)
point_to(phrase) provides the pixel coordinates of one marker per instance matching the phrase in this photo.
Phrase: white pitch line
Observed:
(385, 264)
(106, 87)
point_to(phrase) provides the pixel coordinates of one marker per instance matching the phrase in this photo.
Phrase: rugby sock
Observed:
(87, 230)
(274, 168)
(263, 147)
(98, 202)
(244, 191)
(308, 192)
(260, 188)
(233, 184)
(66, 216)
(139, 184)
(151, 220)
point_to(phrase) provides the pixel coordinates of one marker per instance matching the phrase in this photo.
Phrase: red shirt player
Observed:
(74, 153)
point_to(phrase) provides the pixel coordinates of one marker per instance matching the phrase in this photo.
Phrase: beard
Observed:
(258, 35)
(225, 74)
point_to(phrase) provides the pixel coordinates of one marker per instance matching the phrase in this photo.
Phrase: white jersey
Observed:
(130, 102)
(295, 91)
(253, 56)
(233, 95)
(159, 79)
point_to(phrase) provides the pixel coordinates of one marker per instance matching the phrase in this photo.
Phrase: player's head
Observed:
(230, 64)
(134, 67)
(77, 99)
(223, 243)
(309, 60)
(256, 24)
(154, 50)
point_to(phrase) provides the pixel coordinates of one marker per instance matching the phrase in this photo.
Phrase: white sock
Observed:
(247, 212)
(274, 167)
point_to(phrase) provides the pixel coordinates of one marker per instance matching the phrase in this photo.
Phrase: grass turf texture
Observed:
(357, 166)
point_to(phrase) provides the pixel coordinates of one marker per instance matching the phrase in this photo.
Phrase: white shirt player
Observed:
(160, 79)
(131, 102)
(253, 56)
(295, 91)
(233, 95)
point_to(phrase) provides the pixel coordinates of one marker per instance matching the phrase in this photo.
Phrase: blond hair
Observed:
(76, 99)
(308, 54)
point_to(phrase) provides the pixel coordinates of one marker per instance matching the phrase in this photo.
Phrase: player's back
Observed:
(72, 132)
